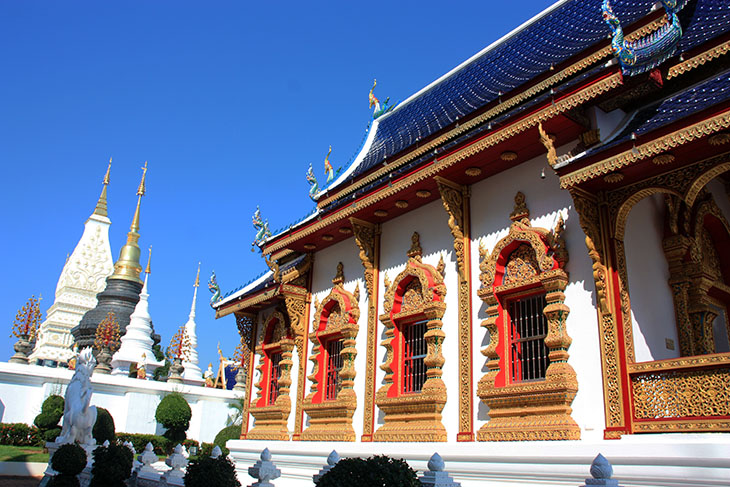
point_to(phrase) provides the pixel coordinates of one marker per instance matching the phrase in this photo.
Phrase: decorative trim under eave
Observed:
(564, 104)
(698, 60)
(655, 147)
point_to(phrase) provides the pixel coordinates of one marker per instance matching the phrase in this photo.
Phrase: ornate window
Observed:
(413, 393)
(529, 386)
(332, 399)
(272, 405)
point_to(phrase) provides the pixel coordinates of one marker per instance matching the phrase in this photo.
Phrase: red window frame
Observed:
(415, 350)
(334, 362)
(528, 328)
(274, 376)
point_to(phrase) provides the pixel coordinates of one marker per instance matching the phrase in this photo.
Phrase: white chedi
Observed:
(136, 344)
(192, 373)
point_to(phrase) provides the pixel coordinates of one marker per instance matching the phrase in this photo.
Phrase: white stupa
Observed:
(192, 373)
(82, 278)
(136, 347)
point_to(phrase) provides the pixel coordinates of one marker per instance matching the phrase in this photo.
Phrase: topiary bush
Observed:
(47, 421)
(205, 471)
(232, 432)
(377, 471)
(104, 427)
(174, 414)
(162, 446)
(112, 466)
(69, 460)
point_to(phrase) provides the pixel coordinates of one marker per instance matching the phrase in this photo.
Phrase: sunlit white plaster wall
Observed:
(492, 201)
(430, 221)
(652, 306)
(324, 270)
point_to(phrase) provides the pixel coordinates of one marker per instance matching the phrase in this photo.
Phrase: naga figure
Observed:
(262, 229)
(329, 170)
(314, 187)
(78, 416)
(648, 52)
(374, 102)
(214, 288)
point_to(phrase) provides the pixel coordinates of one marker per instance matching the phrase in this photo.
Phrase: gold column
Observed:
(248, 343)
(367, 238)
(297, 307)
(455, 198)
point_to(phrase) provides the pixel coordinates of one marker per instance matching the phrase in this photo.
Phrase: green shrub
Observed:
(206, 449)
(51, 413)
(377, 471)
(232, 432)
(69, 460)
(162, 446)
(20, 434)
(112, 466)
(174, 414)
(104, 427)
(205, 471)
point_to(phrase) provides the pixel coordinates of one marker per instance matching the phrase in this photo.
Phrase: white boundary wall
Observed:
(131, 402)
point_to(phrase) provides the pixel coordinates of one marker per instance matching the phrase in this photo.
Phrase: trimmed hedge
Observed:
(112, 466)
(104, 427)
(69, 460)
(376, 471)
(205, 471)
(51, 413)
(162, 446)
(174, 414)
(232, 432)
(20, 434)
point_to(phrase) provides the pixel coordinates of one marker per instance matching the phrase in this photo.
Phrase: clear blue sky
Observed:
(229, 101)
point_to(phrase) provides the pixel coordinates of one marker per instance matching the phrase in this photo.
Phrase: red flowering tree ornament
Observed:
(179, 346)
(107, 333)
(27, 320)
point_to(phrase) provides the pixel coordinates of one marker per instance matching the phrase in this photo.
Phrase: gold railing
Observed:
(683, 394)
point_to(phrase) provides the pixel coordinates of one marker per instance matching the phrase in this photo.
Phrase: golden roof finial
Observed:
(149, 259)
(197, 277)
(127, 267)
(101, 204)
(140, 192)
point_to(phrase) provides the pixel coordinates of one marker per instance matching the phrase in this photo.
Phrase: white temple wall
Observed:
(492, 200)
(430, 221)
(131, 402)
(323, 271)
(652, 306)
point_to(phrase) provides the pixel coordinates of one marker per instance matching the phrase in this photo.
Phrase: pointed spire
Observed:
(197, 277)
(127, 266)
(149, 260)
(101, 204)
(195, 296)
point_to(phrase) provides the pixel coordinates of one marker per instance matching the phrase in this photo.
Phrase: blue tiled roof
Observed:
(676, 107)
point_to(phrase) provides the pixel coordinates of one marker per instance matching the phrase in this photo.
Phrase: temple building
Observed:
(82, 278)
(534, 247)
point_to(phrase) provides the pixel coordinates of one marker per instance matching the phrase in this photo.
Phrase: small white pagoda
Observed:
(136, 347)
(192, 373)
(82, 278)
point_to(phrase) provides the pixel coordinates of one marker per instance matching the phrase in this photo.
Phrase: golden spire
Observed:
(149, 259)
(101, 204)
(127, 266)
(197, 277)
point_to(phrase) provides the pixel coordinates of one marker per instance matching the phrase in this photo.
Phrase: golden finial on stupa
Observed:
(101, 204)
(197, 277)
(127, 267)
(140, 192)
(149, 259)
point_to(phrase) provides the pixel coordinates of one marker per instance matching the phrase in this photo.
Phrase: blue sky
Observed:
(229, 101)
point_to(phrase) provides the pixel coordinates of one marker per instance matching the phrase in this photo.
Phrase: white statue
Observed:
(78, 416)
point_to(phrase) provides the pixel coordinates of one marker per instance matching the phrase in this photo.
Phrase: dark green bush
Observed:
(205, 471)
(104, 427)
(112, 466)
(162, 446)
(20, 434)
(206, 449)
(174, 414)
(377, 471)
(51, 413)
(232, 432)
(69, 460)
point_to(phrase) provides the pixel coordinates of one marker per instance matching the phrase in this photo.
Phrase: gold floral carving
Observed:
(367, 239)
(414, 417)
(455, 199)
(649, 149)
(246, 330)
(547, 141)
(698, 60)
(249, 376)
(538, 410)
(561, 105)
(271, 420)
(332, 420)
(296, 302)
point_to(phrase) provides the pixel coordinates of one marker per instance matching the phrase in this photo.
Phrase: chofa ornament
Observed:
(78, 416)
(262, 228)
(650, 51)
(214, 288)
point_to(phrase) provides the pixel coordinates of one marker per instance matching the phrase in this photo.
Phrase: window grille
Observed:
(274, 377)
(334, 365)
(528, 331)
(414, 370)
